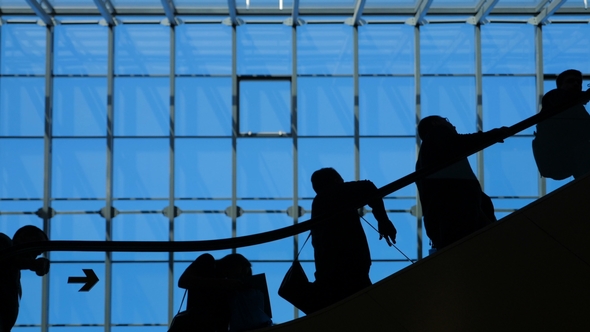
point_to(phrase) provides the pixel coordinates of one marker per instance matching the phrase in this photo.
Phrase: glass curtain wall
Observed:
(201, 131)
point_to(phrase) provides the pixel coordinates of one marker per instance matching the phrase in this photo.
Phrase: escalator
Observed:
(530, 271)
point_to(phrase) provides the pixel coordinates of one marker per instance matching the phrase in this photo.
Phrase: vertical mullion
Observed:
(417, 92)
(295, 142)
(47, 164)
(355, 77)
(235, 131)
(171, 209)
(479, 101)
(540, 88)
(109, 180)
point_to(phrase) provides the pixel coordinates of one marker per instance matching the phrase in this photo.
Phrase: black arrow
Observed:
(89, 280)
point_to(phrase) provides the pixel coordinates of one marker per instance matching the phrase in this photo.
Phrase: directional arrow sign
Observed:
(89, 280)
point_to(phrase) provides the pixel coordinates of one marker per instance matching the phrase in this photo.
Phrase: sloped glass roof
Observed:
(290, 7)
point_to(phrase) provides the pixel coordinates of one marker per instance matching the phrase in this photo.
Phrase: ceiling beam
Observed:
(170, 11)
(543, 17)
(355, 20)
(40, 12)
(105, 12)
(484, 10)
(421, 11)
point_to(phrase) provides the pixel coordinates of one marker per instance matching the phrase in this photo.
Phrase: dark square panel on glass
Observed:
(265, 106)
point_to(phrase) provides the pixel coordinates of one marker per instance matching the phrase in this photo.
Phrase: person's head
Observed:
(433, 126)
(234, 266)
(325, 178)
(27, 234)
(570, 79)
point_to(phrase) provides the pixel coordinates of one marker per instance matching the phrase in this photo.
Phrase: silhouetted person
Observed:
(342, 257)
(10, 286)
(562, 143)
(219, 294)
(453, 203)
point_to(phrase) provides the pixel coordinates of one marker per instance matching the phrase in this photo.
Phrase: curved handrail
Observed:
(277, 234)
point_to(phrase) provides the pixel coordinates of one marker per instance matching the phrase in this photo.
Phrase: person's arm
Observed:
(386, 228)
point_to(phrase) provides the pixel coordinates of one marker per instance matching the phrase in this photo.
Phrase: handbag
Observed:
(296, 288)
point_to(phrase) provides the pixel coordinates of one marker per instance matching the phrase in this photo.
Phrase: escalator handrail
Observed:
(277, 234)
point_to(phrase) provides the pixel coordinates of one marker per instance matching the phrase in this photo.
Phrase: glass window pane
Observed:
(140, 293)
(141, 168)
(140, 221)
(566, 46)
(447, 49)
(67, 305)
(202, 220)
(265, 106)
(258, 222)
(80, 49)
(508, 48)
(22, 106)
(85, 225)
(316, 153)
(264, 49)
(203, 49)
(386, 49)
(79, 168)
(325, 106)
(450, 97)
(510, 168)
(142, 49)
(265, 167)
(30, 304)
(203, 106)
(21, 167)
(508, 100)
(10, 223)
(142, 106)
(23, 49)
(203, 167)
(384, 160)
(324, 49)
(80, 106)
(387, 106)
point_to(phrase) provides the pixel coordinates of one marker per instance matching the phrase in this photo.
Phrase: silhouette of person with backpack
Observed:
(453, 203)
(561, 146)
(10, 286)
(342, 257)
(221, 297)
